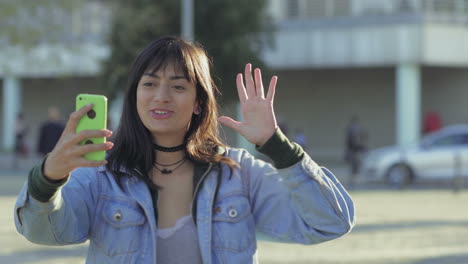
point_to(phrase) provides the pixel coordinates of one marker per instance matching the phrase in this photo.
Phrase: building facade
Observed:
(50, 52)
(386, 61)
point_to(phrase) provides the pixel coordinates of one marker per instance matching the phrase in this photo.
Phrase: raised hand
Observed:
(259, 122)
(68, 153)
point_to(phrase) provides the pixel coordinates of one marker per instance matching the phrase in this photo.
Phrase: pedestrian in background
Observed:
(50, 131)
(356, 146)
(21, 150)
(300, 138)
(432, 122)
(169, 190)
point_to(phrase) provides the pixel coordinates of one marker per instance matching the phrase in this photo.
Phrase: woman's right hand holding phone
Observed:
(68, 154)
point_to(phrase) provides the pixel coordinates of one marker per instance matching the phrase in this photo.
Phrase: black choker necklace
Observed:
(170, 149)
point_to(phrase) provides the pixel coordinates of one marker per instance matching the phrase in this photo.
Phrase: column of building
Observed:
(408, 104)
(11, 106)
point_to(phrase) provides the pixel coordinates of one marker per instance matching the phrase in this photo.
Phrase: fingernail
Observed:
(90, 104)
(108, 133)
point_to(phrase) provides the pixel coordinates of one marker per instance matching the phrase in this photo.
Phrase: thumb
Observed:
(229, 122)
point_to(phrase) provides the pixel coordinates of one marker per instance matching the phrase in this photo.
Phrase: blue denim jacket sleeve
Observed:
(303, 203)
(63, 220)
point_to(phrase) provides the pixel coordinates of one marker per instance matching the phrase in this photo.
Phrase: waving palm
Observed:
(259, 122)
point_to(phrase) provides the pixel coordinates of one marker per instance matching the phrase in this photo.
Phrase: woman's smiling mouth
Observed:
(161, 113)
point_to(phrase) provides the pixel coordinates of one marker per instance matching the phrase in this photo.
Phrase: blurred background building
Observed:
(386, 61)
(49, 53)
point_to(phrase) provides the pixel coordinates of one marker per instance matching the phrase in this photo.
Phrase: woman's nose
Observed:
(162, 94)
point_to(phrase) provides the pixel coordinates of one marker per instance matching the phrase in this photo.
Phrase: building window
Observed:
(444, 6)
(342, 8)
(317, 8)
(292, 8)
(405, 6)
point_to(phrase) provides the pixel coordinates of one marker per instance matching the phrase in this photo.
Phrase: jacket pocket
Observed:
(233, 224)
(119, 227)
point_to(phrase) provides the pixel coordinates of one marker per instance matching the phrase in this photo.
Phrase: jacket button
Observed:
(232, 213)
(118, 216)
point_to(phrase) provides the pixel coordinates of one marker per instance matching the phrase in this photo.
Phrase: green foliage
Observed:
(232, 31)
(27, 23)
(135, 24)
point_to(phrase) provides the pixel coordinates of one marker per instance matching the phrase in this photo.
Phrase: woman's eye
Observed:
(147, 84)
(178, 87)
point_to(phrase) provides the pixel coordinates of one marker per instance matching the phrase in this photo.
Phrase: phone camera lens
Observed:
(91, 114)
(80, 98)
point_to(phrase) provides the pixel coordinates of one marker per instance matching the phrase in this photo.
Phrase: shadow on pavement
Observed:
(43, 254)
(459, 258)
(408, 225)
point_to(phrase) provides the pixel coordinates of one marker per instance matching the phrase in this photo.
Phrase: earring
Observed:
(197, 110)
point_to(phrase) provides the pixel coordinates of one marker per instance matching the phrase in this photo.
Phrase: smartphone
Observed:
(96, 118)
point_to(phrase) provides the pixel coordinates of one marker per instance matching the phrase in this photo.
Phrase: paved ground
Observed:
(424, 224)
(405, 227)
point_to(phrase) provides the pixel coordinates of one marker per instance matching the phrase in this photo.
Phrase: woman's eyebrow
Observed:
(177, 77)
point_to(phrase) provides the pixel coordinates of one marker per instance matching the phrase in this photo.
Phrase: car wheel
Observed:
(399, 175)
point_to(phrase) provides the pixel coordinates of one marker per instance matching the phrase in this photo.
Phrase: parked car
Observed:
(440, 155)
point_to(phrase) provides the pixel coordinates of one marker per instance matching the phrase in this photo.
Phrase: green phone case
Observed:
(96, 118)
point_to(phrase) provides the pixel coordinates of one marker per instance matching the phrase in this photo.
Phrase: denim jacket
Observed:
(303, 203)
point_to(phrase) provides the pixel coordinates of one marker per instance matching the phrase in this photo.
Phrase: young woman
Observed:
(170, 190)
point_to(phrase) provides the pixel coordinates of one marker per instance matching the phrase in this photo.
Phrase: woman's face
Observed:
(166, 101)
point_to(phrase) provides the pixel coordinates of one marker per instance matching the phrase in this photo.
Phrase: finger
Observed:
(81, 150)
(249, 82)
(272, 88)
(241, 88)
(75, 118)
(259, 83)
(85, 134)
(229, 122)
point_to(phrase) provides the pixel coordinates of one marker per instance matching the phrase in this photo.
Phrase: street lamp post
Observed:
(187, 20)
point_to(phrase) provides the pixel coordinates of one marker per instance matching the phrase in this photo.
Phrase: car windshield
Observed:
(448, 140)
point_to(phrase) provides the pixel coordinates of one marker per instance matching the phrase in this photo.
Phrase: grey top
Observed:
(179, 244)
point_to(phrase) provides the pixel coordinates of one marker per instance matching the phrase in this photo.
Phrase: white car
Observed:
(440, 155)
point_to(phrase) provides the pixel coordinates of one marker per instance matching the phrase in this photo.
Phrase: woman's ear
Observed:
(197, 110)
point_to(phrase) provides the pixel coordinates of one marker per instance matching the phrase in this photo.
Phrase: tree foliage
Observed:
(232, 31)
(28, 23)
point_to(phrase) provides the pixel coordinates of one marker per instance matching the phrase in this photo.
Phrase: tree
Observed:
(30, 23)
(232, 31)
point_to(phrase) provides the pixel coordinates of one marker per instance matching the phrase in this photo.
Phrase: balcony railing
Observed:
(322, 9)
(48, 21)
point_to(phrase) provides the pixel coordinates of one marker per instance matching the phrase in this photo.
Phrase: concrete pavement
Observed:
(14, 248)
(8, 165)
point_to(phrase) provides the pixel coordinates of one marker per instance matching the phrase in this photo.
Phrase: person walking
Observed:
(356, 146)
(300, 138)
(20, 150)
(431, 123)
(50, 132)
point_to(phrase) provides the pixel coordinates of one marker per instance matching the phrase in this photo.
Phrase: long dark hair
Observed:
(133, 141)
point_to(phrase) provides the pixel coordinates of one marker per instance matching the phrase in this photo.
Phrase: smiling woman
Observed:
(169, 190)
(166, 103)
